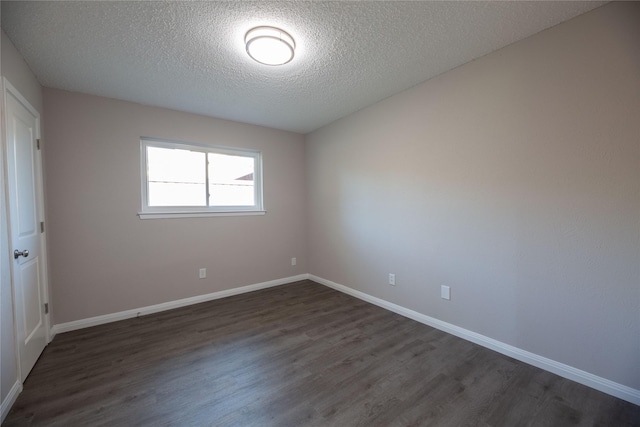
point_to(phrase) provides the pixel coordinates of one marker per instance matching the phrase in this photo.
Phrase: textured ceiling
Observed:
(190, 56)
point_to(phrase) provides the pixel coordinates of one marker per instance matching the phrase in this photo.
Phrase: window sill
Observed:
(167, 215)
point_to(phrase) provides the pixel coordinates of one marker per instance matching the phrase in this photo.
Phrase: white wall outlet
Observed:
(203, 273)
(392, 279)
(445, 292)
(294, 261)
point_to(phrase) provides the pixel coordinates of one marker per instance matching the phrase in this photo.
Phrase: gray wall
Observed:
(513, 179)
(20, 76)
(104, 259)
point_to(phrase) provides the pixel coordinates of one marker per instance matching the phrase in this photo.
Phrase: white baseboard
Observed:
(128, 314)
(8, 401)
(602, 384)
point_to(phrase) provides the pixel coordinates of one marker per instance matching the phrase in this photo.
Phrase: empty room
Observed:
(320, 213)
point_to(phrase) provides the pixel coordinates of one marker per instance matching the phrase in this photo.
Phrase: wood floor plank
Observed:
(295, 355)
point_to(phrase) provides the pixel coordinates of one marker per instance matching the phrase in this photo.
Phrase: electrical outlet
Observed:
(294, 261)
(203, 273)
(392, 279)
(445, 292)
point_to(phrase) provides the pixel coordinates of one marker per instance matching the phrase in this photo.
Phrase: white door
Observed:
(23, 184)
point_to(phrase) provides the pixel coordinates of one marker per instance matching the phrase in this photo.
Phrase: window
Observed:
(186, 180)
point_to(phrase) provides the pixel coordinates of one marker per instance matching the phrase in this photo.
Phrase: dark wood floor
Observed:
(294, 355)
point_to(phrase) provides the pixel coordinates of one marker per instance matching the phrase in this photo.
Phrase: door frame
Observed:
(9, 90)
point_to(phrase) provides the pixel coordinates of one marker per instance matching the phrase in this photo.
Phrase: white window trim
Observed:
(158, 212)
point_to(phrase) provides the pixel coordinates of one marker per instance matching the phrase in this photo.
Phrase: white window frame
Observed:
(151, 212)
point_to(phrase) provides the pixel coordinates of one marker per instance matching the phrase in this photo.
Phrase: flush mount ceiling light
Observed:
(269, 45)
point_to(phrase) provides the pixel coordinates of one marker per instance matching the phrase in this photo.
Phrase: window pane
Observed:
(176, 177)
(231, 180)
(173, 194)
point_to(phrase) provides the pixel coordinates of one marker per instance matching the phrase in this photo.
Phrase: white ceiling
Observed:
(190, 56)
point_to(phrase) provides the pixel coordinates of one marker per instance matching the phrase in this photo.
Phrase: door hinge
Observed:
(38, 143)
(46, 308)
(42, 227)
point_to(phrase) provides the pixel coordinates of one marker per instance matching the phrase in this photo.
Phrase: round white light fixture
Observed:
(269, 45)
